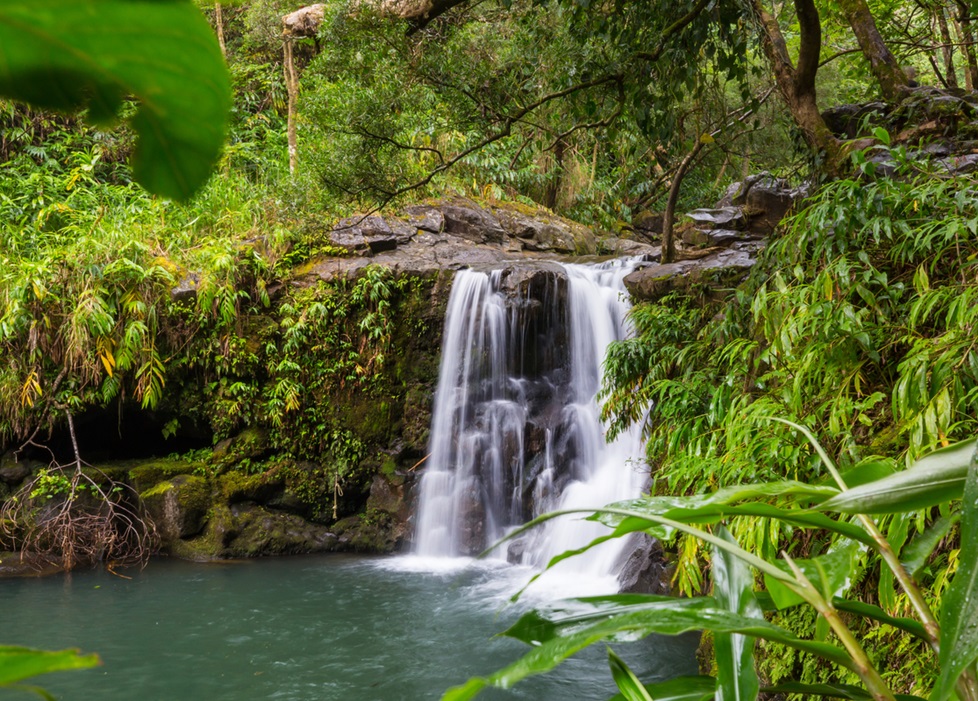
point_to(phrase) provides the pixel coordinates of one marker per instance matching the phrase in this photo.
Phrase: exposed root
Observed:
(77, 516)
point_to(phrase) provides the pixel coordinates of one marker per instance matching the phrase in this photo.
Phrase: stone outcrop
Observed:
(455, 233)
(719, 245)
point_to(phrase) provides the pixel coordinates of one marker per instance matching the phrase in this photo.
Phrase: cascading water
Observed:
(516, 429)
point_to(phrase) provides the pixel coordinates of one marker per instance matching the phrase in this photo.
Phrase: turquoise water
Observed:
(296, 629)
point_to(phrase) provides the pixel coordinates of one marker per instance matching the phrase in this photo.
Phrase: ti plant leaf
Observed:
(601, 619)
(68, 55)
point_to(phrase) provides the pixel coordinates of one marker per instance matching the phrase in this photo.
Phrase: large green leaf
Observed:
(831, 573)
(69, 54)
(588, 624)
(703, 509)
(934, 479)
(959, 609)
(19, 663)
(733, 589)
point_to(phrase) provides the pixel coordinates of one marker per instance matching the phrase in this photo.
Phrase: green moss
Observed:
(143, 474)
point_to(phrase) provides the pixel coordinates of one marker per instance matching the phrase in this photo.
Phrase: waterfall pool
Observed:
(298, 629)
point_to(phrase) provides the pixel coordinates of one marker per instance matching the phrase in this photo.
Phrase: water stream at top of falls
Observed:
(516, 429)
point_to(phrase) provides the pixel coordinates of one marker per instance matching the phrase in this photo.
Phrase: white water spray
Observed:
(516, 429)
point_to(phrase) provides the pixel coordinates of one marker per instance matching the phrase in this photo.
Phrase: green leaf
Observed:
(959, 609)
(626, 681)
(934, 479)
(733, 586)
(579, 633)
(914, 555)
(838, 691)
(70, 54)
(831, 573)
(694, 688)
(19, 663)
(877, 614)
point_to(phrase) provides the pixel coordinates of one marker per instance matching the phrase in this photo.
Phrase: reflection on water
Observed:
(301, 629)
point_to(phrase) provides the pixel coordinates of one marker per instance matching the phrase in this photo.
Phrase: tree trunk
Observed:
(947, 50)
(797, 85)
(553, 187)
(292, 87)
(891, 78)
(968, 42)
(668, 254)
(219, 26)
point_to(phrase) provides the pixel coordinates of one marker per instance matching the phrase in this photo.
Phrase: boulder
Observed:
(370, 235)
(646, 569)
(717, 272)
(424, 217)
(254, 531)
(13, 471)
(847, 121)
(538, 231)
(467, 220)
(721, 217)
(178, 506)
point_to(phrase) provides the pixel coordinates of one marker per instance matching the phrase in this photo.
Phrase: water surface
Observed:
(297, 629)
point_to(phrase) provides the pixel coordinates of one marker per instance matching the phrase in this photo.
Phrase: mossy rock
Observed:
(256, 531)
(178, 506)
(235, 487)
(371, 532)
(251, 444)
(144, 474)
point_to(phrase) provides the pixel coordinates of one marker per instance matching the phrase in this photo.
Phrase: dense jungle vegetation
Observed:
(857, 325)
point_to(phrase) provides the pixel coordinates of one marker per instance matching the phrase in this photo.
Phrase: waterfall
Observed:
(516, 429)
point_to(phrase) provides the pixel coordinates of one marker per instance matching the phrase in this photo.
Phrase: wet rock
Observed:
(847, 121)
(646, 569)
(541, 232)
(515, 551)
(255, 531)
(467, 220)
(251, 444)
(717, 272)
(14, 471)
(425, 218)
(722, 217)
(959, 165)
(178, 506)
(186, 288)
(615, 246)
